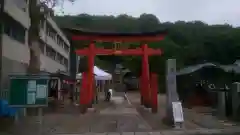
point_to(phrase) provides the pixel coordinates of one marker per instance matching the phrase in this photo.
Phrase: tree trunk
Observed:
(2, 3)
(33, 37)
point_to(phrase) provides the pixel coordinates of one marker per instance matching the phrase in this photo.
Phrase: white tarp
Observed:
(99, 74)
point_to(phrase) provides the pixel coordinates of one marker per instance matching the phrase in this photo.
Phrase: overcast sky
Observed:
(209, 11)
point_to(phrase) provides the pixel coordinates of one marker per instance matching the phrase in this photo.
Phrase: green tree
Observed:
(189, 42)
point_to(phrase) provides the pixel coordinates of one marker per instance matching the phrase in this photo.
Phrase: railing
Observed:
(4, 94)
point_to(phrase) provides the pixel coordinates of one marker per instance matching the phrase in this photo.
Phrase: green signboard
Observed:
(28, 91)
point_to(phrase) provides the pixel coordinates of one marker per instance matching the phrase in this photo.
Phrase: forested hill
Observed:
(188, 42)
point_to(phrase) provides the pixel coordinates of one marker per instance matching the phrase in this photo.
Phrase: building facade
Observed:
(53, 44)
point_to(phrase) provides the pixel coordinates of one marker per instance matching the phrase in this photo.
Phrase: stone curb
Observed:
(170, 132)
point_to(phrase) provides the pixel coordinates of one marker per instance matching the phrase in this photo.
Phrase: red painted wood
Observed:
(145, 75)
(87, 94)
(91, 56)
(124, 52)
(102, 38)
(154, 93)
(84, 51)
(103, 51)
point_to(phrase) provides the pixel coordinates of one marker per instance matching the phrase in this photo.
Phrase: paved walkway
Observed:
(193, 119)
(120, 116)
(116, 116)
(171, 132)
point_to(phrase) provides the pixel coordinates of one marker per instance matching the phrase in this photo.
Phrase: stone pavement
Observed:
(109, 117)
(171, 132)
(193, 119)
(120, 116)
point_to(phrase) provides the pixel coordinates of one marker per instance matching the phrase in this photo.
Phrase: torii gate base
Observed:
(148, 90)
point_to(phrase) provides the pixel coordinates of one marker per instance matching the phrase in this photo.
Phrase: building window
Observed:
(14, 29)
(62, 60)
(66, 47)
(51, 52)
(62, 44)
(7, 29)
(51, 32)
(58, 58)
(66, 62)
(42, 21)
(48, 51)
(42, 46)
(58, 40)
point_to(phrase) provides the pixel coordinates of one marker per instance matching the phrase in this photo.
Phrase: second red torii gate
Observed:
(86, 94)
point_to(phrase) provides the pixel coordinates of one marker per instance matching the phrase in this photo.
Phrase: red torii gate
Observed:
(86, 93)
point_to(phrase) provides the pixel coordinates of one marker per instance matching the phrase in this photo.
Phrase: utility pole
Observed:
(2, 3)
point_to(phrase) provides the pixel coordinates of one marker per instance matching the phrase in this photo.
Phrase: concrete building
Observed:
(16, 54)
(54, 45)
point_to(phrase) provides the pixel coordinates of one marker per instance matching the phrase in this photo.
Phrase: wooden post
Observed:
(145, 76)
(40, 120)
(235, 99)
(59, 93)
(141, 90)
(83, 93)
(154, 94)
(16, 117)
(221, 105)
(90, 72)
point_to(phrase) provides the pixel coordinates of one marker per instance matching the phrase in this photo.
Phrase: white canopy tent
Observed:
(99, 74)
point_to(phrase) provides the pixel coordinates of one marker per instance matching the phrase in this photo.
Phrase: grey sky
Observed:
(209, 11)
